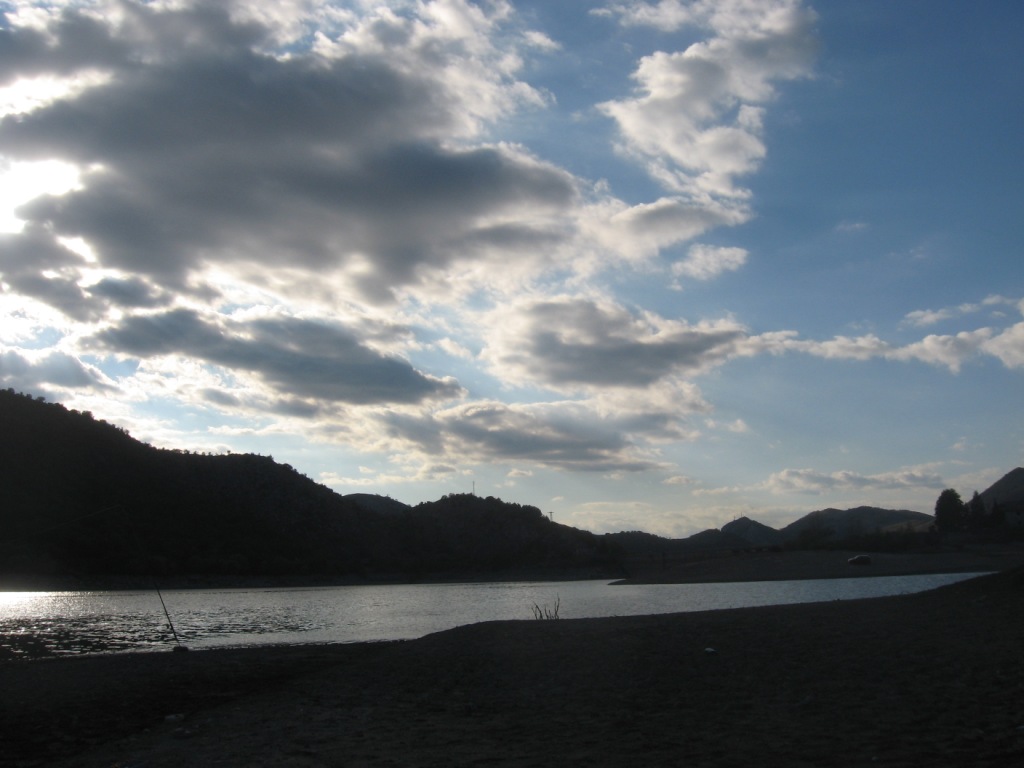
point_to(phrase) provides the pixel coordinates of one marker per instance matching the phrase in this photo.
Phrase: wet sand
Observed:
(932, 679)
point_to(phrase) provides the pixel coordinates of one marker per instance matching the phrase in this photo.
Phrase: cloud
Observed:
(704, 262)
(679, 480)
(950, 351)
(575, 344)
(31, 371)
(232, 155)
(564, 436)
(1008, 346)
(696, 119)
(201, 147)
(926, 317)
(638, 232)
(814, 482)
(738, 427)
(294, 357)
(129, 292)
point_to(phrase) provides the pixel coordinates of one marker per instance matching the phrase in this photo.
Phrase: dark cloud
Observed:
(33, 263)
(220, 398)
(33, 251)
(72, 44)
(60, 292)
(569, 438)
(127, 293)
(297, 358)
(54, 368)
(203, 149)
(292, 407)
(567, 342)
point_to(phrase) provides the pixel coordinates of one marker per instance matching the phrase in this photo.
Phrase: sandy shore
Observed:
(929, 679)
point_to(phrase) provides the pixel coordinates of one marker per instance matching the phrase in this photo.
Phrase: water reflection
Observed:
(10, 599)
(61, 623)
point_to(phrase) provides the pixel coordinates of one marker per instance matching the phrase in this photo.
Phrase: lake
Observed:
(64, 623)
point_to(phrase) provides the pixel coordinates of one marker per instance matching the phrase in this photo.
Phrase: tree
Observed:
(977, 515)
(949, 511)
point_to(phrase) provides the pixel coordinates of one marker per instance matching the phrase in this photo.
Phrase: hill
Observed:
(753, 533)
(831, 525)
(373, 503)
(84, 500)
(1007, 495)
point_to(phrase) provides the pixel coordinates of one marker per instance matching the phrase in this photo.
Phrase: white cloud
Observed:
(679, 480)
(951, 351)
(948, 351)
(35, 370)
(814, 482)
(704, 262)
(639, 232)
(926, 317)
(1008, 346)
(455, 349)
(696, 120)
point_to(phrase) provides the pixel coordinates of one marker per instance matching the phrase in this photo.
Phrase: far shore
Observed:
(784, 565)
(828, 564)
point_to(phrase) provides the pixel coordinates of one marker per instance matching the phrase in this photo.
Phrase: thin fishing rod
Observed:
(138, 543)
(177, 642)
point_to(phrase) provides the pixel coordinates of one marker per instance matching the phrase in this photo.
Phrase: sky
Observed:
(644, 265)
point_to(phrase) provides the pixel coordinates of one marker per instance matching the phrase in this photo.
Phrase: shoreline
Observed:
(785, 565)
(828, 564)
(934, 677)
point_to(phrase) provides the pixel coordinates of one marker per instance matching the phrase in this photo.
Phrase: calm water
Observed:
(84, 622)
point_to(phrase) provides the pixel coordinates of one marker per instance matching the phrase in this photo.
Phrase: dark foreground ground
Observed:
(935, 679)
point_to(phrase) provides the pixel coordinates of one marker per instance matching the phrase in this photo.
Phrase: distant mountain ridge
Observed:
(832, 524)
(824, 526)
(1007, 492)
(83, 498)
(829, 525)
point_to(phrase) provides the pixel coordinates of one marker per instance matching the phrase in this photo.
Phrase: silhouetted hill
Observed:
(82, 499)
(373, 503)
(1007, 494)
(831, 525)
(753, 533)
(465, 531)
(640, 545)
